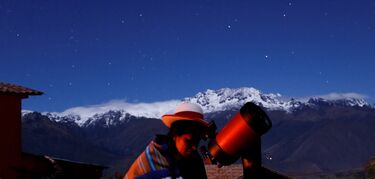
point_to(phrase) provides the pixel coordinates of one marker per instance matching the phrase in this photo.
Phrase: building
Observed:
(16, 164)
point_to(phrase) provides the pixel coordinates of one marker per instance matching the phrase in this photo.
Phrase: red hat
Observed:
(185, 111)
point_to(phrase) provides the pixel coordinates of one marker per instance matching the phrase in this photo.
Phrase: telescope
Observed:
(240, 137)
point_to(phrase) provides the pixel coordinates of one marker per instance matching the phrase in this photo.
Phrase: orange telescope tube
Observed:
(239, 134)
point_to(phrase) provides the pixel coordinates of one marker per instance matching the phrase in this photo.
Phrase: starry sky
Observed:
(90, 52)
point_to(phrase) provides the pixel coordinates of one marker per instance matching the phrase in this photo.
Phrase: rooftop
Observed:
(7, 88)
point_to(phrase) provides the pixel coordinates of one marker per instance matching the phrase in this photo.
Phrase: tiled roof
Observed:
(7, 88)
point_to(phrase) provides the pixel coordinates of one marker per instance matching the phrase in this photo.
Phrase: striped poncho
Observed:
(156, 162)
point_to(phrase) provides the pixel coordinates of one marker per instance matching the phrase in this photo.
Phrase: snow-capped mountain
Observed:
(226, 98)
(87, 115)
(339, 102)
(210, 100)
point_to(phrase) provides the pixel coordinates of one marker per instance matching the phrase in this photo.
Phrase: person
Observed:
(174, 155)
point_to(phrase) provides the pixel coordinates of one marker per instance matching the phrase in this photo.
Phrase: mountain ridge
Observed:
(211, 101)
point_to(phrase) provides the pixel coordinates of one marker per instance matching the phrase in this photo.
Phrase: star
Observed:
(140, 15)
(290, 4)
(122, 21)
(229, 26)
(70, 84)
(18, 35)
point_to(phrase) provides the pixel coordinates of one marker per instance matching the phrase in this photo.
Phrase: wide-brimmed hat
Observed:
(185, 111)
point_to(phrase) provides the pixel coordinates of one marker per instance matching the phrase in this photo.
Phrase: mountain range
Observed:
(211, 101)
(317, 134)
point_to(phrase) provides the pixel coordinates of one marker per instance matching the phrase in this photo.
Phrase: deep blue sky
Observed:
(90, 52)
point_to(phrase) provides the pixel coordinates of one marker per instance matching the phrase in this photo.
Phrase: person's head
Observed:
(186, 136)
(186, 127)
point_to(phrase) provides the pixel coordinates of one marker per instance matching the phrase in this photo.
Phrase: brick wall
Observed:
(225, 172)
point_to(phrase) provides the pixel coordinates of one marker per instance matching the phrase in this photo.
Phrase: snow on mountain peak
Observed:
(347, 99)
(86, 114)
(226, 98)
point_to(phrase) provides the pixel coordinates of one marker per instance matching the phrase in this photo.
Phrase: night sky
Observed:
(90, 52)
